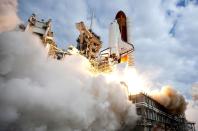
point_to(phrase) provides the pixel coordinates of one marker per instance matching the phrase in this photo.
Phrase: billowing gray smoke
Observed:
(8, 14)
(171, 99)
(42, 94)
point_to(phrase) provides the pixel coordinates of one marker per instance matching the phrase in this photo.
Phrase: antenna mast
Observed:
(92, 17)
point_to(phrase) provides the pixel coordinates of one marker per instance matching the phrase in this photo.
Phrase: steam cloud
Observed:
(171, 99)
(191, 112)
(8, 15)
(192, 109)
(195, 91)
(38, 93)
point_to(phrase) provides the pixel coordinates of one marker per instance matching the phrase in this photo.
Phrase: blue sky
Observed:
(164, 32)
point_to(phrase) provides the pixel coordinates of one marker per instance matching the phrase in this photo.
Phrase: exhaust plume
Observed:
(171, 99)
(43, 94)
(8, 15)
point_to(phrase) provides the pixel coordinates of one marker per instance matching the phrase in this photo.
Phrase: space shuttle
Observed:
(120, 41)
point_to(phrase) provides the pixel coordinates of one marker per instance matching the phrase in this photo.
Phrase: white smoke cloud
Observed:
(192, 108)
(171, 99)
(191, 112)
(38, 93)
(8, 15)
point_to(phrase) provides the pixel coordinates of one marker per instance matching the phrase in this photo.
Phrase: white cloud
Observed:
(8, 15)
(191, 113)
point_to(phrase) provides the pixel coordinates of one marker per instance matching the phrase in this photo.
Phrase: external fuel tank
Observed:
(122, 22)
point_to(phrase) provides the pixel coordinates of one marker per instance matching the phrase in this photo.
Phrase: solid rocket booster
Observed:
(114, 36)
(129, 34)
